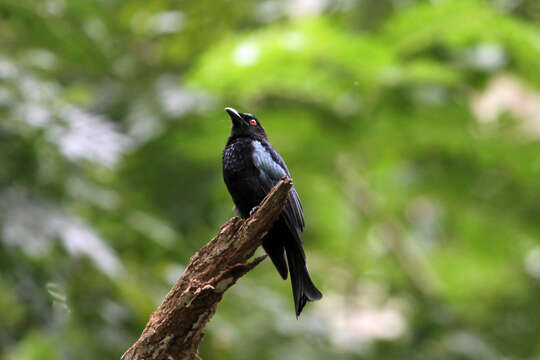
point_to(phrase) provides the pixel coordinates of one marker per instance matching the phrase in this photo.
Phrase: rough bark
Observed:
(175, 329)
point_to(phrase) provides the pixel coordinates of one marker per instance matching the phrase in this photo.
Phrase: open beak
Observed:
(235, 116)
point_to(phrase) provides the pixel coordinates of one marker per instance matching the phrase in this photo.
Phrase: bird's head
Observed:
(245, 125)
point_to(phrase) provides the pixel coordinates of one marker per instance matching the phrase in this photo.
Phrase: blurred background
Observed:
(411, 129)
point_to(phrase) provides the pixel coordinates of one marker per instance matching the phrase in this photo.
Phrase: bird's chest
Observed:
(238, 159)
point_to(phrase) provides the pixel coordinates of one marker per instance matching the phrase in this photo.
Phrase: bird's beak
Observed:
(235, 116)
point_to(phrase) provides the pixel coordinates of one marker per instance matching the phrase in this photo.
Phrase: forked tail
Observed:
(303, 288)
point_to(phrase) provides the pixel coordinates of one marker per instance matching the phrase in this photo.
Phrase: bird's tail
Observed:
(302, 286)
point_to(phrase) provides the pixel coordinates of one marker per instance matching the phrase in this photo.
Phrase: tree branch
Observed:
(175, 329)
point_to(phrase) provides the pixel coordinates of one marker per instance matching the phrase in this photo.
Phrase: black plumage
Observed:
(251, 167)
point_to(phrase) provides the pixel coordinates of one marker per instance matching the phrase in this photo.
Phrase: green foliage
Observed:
(410, 128)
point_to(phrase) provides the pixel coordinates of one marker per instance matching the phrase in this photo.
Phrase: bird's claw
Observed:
(252, 211)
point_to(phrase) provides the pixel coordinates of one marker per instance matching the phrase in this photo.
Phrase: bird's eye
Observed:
(253, 122)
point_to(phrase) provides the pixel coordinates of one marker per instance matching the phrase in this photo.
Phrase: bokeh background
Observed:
(411, 129)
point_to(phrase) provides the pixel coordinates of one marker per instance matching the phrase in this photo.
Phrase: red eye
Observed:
(253, 122)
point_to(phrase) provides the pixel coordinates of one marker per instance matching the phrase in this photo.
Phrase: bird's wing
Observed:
(271, 169)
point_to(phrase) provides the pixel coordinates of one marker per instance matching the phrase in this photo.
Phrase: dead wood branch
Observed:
(175, 329)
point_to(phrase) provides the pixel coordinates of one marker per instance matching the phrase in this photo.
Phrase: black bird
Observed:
(251, 167)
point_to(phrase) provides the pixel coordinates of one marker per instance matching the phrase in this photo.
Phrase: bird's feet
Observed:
(252, 211)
